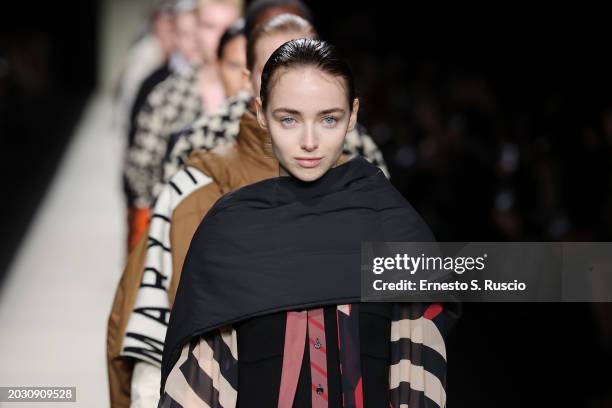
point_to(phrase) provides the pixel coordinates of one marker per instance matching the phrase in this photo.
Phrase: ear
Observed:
(261, 117)
(353, 118)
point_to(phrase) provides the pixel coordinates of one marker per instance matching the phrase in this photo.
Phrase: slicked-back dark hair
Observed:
(306, 52)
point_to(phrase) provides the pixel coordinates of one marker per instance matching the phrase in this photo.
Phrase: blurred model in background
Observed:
(173, 103)
(146, 55)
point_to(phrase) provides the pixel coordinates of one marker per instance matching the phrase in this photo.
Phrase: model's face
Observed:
(165, 32)
(307, 116)
(186, 37)
(214, 19)
(264, 47)
(232, 66)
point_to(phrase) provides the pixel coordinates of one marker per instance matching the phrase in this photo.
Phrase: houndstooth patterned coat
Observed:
(173, 103)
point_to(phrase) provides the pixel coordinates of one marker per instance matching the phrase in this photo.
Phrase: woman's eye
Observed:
(288, 121)
(329, 120)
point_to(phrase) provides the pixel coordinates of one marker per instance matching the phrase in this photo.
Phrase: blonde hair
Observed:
(239, 4)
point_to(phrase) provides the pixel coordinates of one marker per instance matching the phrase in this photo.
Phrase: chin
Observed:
(308, 175)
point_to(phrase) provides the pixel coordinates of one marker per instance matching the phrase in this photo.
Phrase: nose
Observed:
(309, 140)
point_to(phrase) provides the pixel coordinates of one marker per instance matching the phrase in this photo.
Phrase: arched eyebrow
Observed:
(295, 112)
(333, 110)
(286, 110)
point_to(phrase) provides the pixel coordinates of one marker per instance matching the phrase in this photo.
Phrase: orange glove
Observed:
(138, 221)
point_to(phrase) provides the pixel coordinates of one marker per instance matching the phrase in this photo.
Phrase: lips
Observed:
(308, 163)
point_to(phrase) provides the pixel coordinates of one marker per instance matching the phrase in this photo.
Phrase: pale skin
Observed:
(308, 116)
(231, 66)
(214, 19)
(186, 36)
(164, 31)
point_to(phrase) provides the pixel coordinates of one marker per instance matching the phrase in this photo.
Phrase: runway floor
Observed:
(57, 293)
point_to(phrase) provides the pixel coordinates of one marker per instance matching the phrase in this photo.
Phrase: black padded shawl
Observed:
(282, 244)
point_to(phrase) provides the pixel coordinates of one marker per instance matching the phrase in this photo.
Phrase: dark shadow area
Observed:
(496, 128)
(48, 53)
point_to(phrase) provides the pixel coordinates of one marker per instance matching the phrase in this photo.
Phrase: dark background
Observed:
(48, 53)
(496, 126)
